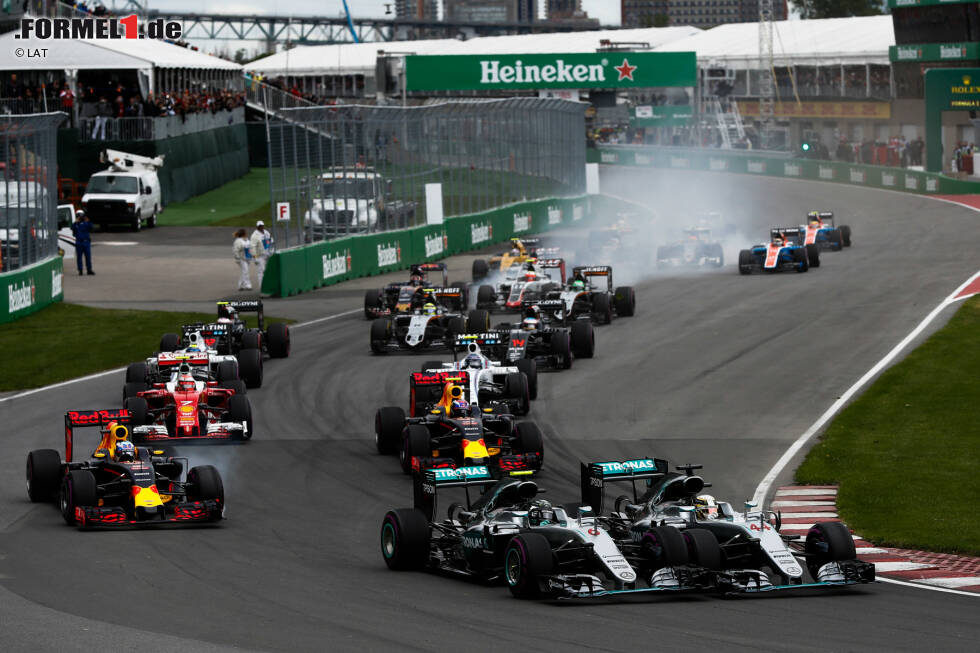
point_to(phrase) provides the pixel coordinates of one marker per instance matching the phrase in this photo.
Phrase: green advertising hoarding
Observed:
(535, 71)
(899, 4)
(30, 289)
(934, 52)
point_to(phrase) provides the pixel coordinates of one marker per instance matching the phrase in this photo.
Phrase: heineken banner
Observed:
(536, 71)
(898, 4)
(934, 52)
(30, 289)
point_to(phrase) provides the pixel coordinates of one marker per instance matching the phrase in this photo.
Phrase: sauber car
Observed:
(820, 230)
(449, 436)
(398, 297)
(187, 408)
(743, 551)
(697, 249)
(508, 534)
(146, 487)
(783, 253)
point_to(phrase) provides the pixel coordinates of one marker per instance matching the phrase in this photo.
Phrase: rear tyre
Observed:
(515, 387)
(530, 369)
(132, 389)
(845, 233)
(237, 385)
(251, 339)
(625, 301)
(136, 373)
(478, 321)
(457, 327)
(527, 561)
(389, 422)
(703, 549)
(405, 539)
(602, 308)
(380, 334)
(813, 255)
(43, 474)
(227, 371)
(278, 340)
(484, 296)
(416, 443)
(561, 348)
(373, 302)
(169, 342)
(583, 339)
(204, 484)
(745, 261)
(530, 440)
(250, 367)
(78, 490)
(480, 269)
(836, 240)
(799, 257)
(240, 410)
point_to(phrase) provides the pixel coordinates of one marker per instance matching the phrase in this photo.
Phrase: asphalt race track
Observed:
(715, 368)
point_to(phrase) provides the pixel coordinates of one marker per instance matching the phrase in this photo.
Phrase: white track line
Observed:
(927, 587)
(327, 318)
(762, 491)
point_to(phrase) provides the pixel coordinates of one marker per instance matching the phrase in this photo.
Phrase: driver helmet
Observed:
(473, 361)
(530, 324)
(429, 308)
(186, 382)
(541, 512)
(578, 284)
(706, 506)
(125, 451)
(530, 275)
(194, 347)
(459, 408)
(813, 216)
(415, 280)
(777, 240)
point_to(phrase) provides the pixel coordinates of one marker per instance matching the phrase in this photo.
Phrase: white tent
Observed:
(832, 41)
(359, 58)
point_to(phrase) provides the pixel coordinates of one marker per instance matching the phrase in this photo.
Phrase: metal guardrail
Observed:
(157, 128)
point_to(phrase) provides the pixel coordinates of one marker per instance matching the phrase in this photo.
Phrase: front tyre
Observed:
(527, 563)
(405, 538)
(43, 474)
(78, 490)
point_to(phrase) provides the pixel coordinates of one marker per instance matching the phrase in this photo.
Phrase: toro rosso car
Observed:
(430, 326)
(697, 249)
(522, 282)
(488, 380)
(783, 253)
(455, 433)
(187, 408)
(820, 231)
(205, 364)
(743, 552)
(583, 299)
(509, 535)
(401, 297)
(121, 484)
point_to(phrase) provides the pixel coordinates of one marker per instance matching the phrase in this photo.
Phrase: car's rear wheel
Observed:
(516, 387)
(456, 326)
(478, 321)
(416, 443)
(845, 233)
(250, 367)
(43, 474)
(389, 422)
(480, 269)
(527, 561)
(278, 340)
(227, 371)
(405, 538)
(530, 369)
(136, 373)
(836, 240)
(530, 440)
(484, 296)
(625, 301)
(561, 348)
(583, 339)
(169, 342)
(78, 490)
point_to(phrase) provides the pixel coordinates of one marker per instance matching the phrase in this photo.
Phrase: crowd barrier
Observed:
(29, 289)
(783, 165)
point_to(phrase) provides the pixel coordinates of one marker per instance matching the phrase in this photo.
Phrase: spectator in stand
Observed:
(135, 108)
(102, 114)
(844, 151)
(119, 110)
(67, 99)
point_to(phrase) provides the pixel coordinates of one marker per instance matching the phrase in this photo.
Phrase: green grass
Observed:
(907, 453)
(238, 203)
(65, 341)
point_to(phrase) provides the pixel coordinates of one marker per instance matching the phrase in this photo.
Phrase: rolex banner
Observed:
(536, 71)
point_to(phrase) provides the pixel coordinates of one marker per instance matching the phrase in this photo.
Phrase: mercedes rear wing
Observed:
(594, 477)
(86, 418)
(430, 481)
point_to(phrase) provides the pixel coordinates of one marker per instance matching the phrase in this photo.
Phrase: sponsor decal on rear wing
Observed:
(595, 475)
(96, 417)
(250, 305)
(594, 270)
(793, 234)
(447, 475)
(482, 339)
(430, 267)
(445, 292)
(440, 378)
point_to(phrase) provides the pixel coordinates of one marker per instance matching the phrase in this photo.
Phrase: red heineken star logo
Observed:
(625, 71)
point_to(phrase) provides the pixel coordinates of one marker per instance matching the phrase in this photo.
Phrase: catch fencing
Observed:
(345, 170)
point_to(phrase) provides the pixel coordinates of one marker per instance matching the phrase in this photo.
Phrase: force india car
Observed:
(522, 282)
(398, 297)
(488, 380)
(521, 251)
(442, 437)
(742, 551)
(186, 408)
(697, 249)
(422, 329)
(101, 491)
(819, 230)
(509, 535)
(599, 305)
(783, 253)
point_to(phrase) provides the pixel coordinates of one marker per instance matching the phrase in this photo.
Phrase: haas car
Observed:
(741, 552)
(189, 409)
(584, 299)
(785, 252)
(122, 484)
(696, 250)
(487, 380)
(821, 232)
(455, 433)
(504, 532)
(398, 297)
(522, 282)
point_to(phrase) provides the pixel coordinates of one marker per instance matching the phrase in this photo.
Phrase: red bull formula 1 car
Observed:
(121, 484)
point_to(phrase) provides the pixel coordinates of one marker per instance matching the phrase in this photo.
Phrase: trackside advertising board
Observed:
(30, 289)
(536, 71)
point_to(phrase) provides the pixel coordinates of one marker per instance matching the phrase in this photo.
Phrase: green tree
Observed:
(838, 8)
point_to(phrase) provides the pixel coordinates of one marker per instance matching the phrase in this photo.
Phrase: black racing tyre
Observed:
(132, 389)
(251, 339)
(480, 269)
(583, 339)
(416, 443)
(664, 546)
(237, 385)
(227, 371)
(478, 321)
(431, 365)
(78, 489)
(624, 300)
(561, 346)
(602, 308)
(813, 255)
(528, 560)
(718, 254)
(485, 296)
(745, 261)
(530, 369)
(799, 257)
(516, 387)
(845, 232)
(250, 367)
(530, 440)
(828, 542)
(204, 484)
(136, 373)
(703, 549)
(389, 422)
(380, 334)
(457, 326)
(278, 335)
(373, 301)
(169, 342)
(240, 410)
(836, 240)
(139, 410)
(405, 535)
(43, 474)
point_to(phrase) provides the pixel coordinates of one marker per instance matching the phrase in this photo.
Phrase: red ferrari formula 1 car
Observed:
(121, 484)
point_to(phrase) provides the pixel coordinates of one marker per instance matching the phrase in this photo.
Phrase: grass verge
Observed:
(239, 203)
(906, 453)
(65, 341)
